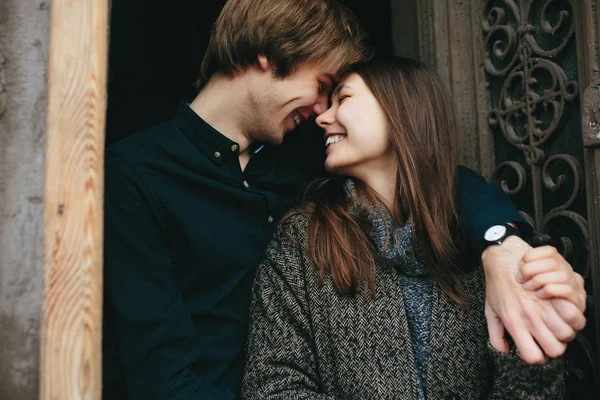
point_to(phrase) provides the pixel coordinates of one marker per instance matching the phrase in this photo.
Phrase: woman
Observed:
(367, 291)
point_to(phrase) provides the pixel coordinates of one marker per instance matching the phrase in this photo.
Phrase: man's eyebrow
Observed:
(331, 79)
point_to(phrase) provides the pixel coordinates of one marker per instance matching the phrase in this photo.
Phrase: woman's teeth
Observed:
(334, 139)
(297, 120)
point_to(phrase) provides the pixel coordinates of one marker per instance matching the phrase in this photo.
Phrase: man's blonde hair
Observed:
(287, 32)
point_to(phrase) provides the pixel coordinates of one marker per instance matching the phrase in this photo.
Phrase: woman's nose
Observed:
(326, 118)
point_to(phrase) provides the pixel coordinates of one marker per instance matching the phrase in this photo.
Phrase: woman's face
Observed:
(356, 130)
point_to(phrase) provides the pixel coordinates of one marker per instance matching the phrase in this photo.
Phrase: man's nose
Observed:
(321, 104)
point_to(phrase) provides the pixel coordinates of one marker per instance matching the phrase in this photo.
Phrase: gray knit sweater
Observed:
(395, 245)
(308, 342)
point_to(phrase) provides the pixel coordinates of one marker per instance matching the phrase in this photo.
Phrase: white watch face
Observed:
(495, 233)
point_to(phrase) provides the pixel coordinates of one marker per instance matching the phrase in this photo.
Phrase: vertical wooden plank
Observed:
(447, 42)
(433, 36)
(73, 190)
(481, 99)
(587, 34)
(462, 73)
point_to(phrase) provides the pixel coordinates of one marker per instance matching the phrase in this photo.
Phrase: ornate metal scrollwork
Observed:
(522, 37)
(534, 92)
(520, 172)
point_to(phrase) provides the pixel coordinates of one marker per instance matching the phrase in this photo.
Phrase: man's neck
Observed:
(222, 104)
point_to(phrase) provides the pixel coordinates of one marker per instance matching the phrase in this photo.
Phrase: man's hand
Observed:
(539, 327)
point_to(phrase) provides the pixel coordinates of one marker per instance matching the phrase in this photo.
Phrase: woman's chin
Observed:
(333, 168)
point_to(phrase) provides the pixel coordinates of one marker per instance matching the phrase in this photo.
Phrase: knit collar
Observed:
(396, 245)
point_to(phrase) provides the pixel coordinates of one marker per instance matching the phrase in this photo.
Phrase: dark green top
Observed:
(185, 229)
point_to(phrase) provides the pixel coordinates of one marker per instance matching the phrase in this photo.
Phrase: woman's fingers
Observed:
(562, 291)
(530, 269)
(547, 278)
(540, 253)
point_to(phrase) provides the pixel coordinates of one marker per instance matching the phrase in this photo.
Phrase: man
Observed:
(192, 203)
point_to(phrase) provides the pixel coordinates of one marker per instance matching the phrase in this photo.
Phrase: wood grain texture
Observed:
(587, 35)
(448, 41)
(71, 361)
(462, 74)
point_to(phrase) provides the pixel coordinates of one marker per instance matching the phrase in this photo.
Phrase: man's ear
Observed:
(263, 63)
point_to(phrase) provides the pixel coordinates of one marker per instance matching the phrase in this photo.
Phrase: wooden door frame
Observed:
(587, 35)
(71, 349)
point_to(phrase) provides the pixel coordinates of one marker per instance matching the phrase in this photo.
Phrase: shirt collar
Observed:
(213, 143)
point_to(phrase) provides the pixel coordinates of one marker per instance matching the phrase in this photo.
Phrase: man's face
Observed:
(281, 104)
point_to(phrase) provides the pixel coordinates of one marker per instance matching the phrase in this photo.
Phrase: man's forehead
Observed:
(332, 78)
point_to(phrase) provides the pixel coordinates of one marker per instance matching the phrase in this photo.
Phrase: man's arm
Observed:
(148, 323)
(482, 205)
(532, 322)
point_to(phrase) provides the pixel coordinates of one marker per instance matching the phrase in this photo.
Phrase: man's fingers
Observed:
(540, 253)
(530, 269)
(549, 344)
(496, 331)
(557, 326)
(569, 313)
(554, 277)
(528, 349)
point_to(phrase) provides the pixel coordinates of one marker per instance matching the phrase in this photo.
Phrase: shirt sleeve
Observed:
(151, 329)
(482, 204)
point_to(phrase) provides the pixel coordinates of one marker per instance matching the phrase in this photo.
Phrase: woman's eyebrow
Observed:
(337, 90)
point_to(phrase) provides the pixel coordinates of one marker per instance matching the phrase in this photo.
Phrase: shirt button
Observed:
(235, 148)
(217, 154)
(246, 184)
(270, 219)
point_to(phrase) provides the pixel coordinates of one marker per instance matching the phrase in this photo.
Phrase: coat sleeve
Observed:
(281, 359)
(516, 379)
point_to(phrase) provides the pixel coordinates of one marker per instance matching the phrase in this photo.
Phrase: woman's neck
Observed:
(383, 182)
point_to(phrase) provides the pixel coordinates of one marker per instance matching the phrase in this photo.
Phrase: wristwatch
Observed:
(497, 233)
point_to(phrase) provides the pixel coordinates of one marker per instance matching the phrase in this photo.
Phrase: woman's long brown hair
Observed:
(423, 137)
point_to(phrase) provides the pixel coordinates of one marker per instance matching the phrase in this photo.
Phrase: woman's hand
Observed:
(539, 327)
(547, 273)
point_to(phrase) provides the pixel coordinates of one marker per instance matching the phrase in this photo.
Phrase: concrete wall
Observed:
(24, 40)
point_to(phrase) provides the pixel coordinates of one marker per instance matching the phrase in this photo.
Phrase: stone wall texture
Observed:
(24, 42)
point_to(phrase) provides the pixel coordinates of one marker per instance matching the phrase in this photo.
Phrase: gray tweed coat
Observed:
(308, 342)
